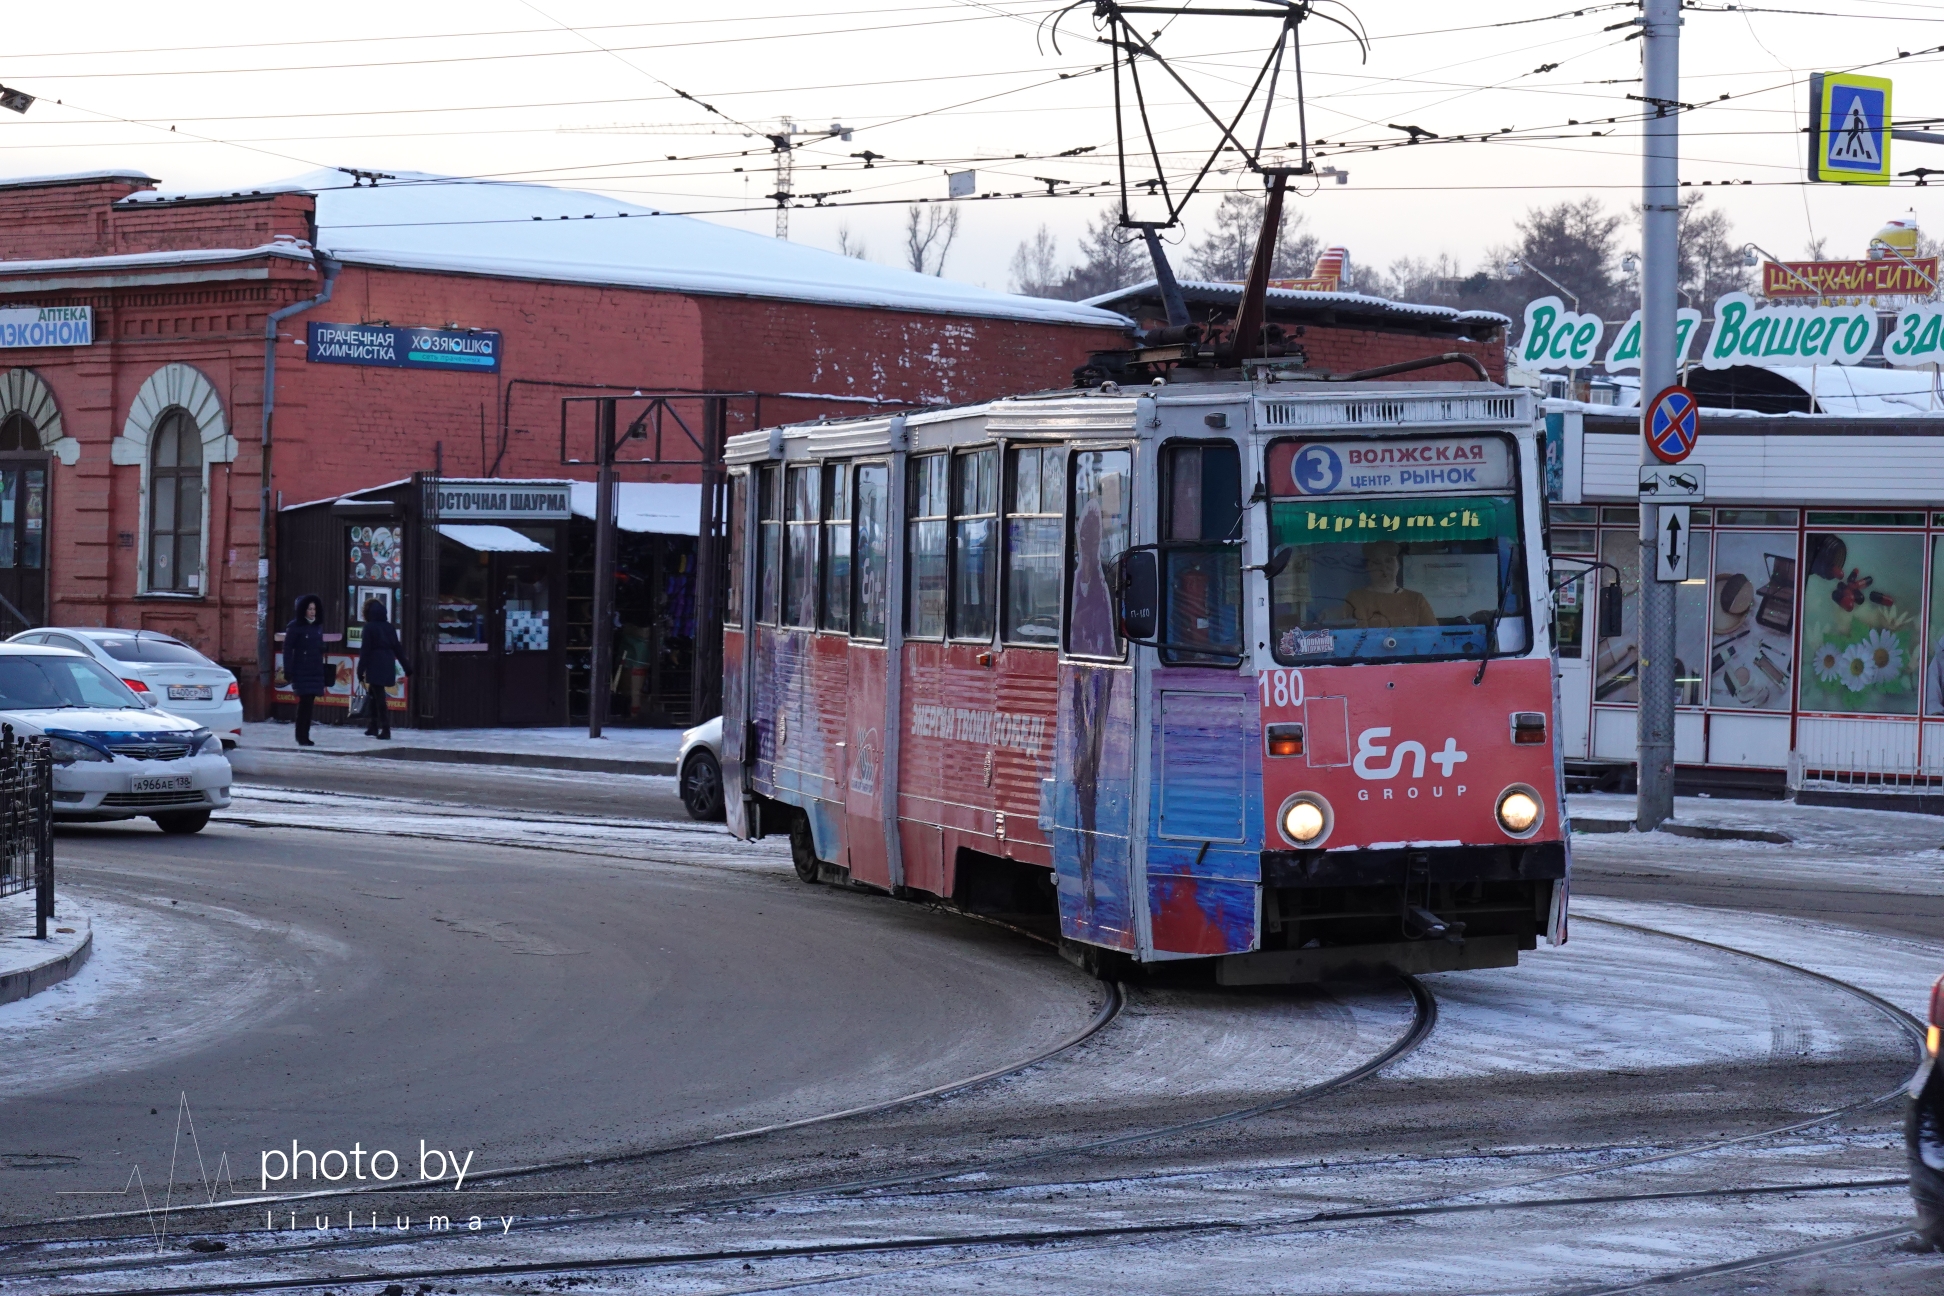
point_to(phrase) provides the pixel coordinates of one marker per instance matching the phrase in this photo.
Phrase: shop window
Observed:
(1816, 519)
(1620, 516)
(836, 598)
(175, 505)
(1616, 664)
(1034, 497)
(1756, 517)
(1574, 540)
(1569, 610)
(769, 545)
(975, 545)
(925, 536)
(1101, 500)
(17, 432)
(1691, 626)
(1933, 646)
(804, 519)
(463, 592)
(732, 613)
(872, 523)
(1752, 619)
(1861, 595)
(1572, 514)
(1201, 554)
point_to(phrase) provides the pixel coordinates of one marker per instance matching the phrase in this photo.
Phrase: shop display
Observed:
(462, 625)
(1752, 620)
(376, 554)
(1859, 624)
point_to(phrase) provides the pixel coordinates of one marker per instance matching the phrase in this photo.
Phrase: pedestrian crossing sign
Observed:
(1849, 134)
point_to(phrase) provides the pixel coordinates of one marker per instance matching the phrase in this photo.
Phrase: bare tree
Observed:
(1227, 251)
(1110, 258)
(849, 244)
(1711, 259)
(1036, 268)
(929, 231)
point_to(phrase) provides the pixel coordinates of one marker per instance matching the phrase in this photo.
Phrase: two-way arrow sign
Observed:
(1673, 527)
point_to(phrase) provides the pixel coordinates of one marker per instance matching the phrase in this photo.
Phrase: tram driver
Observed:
(1383, 602)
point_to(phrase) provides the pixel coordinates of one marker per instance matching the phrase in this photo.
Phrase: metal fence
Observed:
(27, 822)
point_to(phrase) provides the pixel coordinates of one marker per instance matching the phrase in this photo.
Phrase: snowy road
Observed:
(1604, 1114)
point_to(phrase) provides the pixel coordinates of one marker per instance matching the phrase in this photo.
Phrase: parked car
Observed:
(161, 670)
(115, 756)
(1924, 1130)
(698, 770)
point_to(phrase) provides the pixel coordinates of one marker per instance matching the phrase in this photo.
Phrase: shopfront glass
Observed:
(1751, 620)
(1861, 596)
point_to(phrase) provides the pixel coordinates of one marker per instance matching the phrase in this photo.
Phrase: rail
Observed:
(27, 822)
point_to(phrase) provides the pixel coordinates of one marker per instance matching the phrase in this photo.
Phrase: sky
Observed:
(667, 105)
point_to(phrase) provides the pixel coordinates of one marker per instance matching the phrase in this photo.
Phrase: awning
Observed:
(652, 508)
(485, 538)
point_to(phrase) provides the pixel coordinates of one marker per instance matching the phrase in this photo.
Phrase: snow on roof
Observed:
(295, 249)
(527, 231)
(1841, 391)
(657, 508)
(1210, 290)
(71, 177)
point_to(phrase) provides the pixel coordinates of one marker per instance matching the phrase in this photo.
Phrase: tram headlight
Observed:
(1305, 820)
(1520, 811)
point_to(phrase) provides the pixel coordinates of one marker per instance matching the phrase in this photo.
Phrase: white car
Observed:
(163, 671)
(698, 770)
(115, 757)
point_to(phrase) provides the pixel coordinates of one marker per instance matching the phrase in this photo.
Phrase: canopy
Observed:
(484, 537)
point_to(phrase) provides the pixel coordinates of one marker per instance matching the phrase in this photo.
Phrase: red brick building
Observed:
(133, 351)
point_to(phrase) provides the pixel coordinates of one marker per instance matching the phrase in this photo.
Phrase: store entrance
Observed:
(531, 690)
(23, 541)
(500, 655)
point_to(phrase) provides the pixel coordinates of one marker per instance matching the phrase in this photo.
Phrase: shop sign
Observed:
(1915, 277)
(47, 326)
(1625, 352)
(1557, 338)
(1915, 336)
(386, 346)
(508, 501)
(1462, 464)
(1787, 336)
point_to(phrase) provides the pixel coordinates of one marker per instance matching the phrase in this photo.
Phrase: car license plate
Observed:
(188, 692)
(169, 783)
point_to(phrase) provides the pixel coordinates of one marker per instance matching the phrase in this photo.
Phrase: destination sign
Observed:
(1415, 466)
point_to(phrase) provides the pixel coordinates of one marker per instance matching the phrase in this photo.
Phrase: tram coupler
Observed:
(1421, 924)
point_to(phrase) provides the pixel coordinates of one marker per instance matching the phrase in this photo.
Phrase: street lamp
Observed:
(1515, 267)
(1751, 260)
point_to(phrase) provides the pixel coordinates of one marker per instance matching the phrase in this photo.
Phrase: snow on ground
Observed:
(619, 744)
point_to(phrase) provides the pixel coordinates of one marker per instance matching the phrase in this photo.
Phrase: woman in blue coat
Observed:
(381, 664)
(303, 660)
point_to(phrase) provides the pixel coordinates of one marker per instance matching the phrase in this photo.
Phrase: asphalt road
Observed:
(339, 989)
(498, 787)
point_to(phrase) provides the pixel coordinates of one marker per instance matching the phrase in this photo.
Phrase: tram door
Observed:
(23, 541)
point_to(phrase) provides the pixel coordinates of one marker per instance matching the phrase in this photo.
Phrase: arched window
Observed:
(175, 504)
(17, 432)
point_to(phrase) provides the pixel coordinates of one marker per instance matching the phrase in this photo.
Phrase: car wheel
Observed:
(182, 821)
(702, 786)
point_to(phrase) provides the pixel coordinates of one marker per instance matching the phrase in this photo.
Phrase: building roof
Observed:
(1293, 302)
(417, 221)
(75, 177)
(1840, 391)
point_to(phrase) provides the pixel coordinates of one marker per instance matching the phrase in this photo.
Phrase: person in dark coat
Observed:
(303, 660)
(381, 663)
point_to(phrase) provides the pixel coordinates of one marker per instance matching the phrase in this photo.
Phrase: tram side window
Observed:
(873, 520)
(732, 614)
(837, 548)
(975, 545)
(769, 545)
(1033, 514)
(1201, 554)
(925, 537)
(804, 519)
(1102, 500)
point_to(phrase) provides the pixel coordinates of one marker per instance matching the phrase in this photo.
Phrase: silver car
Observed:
(160, 669)
(698, 770)
(114, 757)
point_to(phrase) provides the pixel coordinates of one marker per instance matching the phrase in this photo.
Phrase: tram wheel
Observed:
(803, 848)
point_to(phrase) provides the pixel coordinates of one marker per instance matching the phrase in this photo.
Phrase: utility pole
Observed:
(1659, 278)
(598, 683)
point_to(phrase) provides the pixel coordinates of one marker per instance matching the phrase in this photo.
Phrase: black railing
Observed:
(27, 822)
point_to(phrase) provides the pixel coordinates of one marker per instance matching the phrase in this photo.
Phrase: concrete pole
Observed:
(1659, 276)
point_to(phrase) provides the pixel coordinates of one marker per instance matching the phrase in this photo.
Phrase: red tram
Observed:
(1247, 669)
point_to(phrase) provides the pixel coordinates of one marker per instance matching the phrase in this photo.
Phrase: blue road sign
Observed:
(1849, 133)
(1673, 424)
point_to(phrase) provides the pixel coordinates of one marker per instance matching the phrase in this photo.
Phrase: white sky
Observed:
(511, 89)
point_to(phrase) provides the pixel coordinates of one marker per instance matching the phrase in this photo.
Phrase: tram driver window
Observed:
(975, 544)
(769, 545)
(925, 539)
(732, 613)
(800, 566)
(873, 570)
(1102, 501)
(1201, 554)
(1034, 498)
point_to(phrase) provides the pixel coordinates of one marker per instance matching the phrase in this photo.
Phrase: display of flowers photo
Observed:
(1861, 648)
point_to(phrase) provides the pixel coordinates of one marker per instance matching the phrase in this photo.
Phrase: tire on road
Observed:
(181, 821)
(803, 847)
(701, 785)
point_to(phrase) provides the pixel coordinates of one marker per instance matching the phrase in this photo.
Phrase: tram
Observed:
(1248, 668)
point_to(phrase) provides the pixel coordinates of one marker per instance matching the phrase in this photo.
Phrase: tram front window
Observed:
(1390, 575)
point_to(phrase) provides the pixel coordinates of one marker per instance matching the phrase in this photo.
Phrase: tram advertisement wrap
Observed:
(1416, 754)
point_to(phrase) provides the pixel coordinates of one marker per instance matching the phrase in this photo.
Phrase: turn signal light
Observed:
(1519, 811)
(1528, 728)
(136, 686)
(1285, 740)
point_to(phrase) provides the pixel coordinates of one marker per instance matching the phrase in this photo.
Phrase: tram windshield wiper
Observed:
(1491, 642)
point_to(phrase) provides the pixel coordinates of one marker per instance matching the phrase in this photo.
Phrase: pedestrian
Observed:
(381, 663)
(303, 660)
